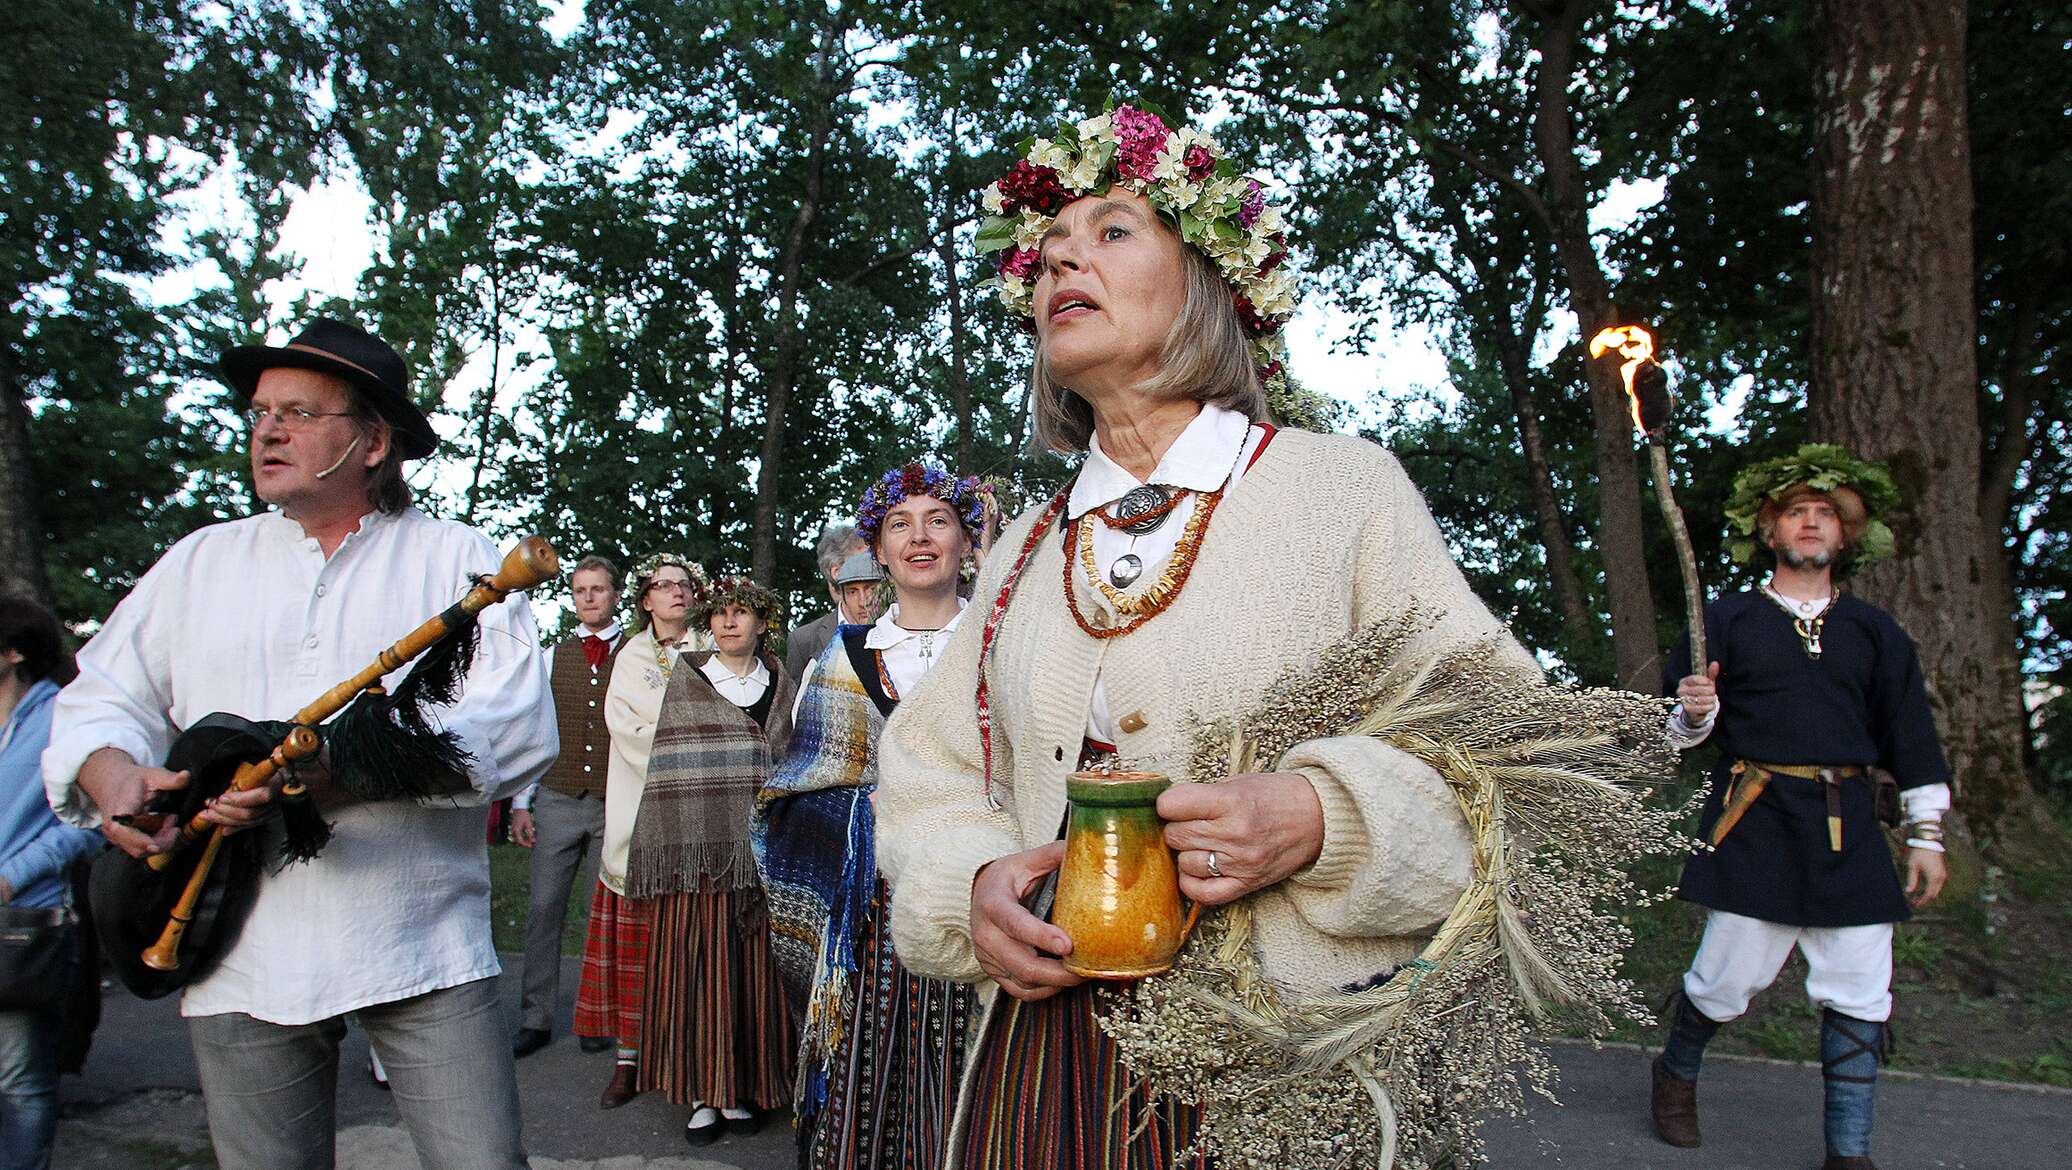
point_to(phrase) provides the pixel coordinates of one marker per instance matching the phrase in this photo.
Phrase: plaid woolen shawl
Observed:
(708, 761)
(815, 847)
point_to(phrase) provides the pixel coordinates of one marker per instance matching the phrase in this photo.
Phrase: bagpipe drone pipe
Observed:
(165, 919)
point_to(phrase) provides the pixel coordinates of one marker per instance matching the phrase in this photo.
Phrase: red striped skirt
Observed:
(1050, 1091)
(715, 1029)
(615, 966)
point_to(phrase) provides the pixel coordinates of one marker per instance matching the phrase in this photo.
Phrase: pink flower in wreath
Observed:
(1021, 263)
(1139, 139)
(1253, 203)
(1200, 165)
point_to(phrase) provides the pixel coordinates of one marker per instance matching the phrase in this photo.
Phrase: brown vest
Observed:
(579, 712)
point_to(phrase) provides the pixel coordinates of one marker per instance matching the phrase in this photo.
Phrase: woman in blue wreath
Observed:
(881, 1051)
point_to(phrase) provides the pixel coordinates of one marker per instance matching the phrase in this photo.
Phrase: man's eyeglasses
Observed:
(290, 418)
(671, 586)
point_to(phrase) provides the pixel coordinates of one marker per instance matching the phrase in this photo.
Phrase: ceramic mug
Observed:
(1118, 892)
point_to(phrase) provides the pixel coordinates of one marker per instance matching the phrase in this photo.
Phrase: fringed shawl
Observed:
(708, 761)
(817, 853)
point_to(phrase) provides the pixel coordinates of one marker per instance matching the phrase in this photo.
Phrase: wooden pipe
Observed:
(531, 562)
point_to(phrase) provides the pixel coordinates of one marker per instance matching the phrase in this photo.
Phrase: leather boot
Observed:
(1675, 1105)
(1838, 1162)
(621, 1089)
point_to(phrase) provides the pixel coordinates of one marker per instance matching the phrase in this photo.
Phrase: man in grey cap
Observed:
(838, 546)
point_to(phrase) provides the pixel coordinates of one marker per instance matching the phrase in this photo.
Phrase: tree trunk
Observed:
(1895, 362)
(1619, 540)
(946, 247)
(784, 366)
(22, 572)
(1561, 566)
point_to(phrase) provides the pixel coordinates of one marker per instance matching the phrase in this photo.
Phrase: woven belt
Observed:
(1750, 777)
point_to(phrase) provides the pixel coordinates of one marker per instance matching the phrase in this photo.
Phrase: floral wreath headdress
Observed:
(644, 576)
(736, 590)
(1183, 173)
(1820, 467)
(964, 496)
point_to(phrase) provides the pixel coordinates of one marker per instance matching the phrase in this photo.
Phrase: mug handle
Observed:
(1193, 916)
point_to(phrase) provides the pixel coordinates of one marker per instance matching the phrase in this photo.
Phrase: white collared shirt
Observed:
(1210, 453)
(742, 690)
(251, 618)
(909, 653)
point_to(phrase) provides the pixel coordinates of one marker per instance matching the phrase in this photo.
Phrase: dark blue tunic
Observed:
(1861, 702)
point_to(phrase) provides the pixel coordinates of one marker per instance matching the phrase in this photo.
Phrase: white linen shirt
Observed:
(250, 618)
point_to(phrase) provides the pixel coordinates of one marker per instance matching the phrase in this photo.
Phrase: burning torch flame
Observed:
(1649, 403)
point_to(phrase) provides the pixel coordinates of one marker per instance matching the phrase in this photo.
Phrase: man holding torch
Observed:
(1815, 698)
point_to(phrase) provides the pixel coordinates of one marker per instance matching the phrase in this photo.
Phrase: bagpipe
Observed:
(164, 920)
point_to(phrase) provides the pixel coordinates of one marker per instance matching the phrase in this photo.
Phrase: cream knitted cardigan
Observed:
(1322, 536)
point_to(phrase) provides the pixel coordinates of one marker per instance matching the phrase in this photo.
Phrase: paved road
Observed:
(138, 1108)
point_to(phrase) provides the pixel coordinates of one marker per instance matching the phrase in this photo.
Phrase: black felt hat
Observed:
(349, 352)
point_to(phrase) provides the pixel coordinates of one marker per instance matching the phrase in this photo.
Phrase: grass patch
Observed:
(510, 885)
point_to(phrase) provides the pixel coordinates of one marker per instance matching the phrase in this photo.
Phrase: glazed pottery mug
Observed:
(1118, 892)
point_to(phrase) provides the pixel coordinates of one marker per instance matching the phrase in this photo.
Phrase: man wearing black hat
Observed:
(256, 617)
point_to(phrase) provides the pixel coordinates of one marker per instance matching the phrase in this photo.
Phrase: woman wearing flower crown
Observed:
(715, 1033)
(1198, 555)
(615, 949)
(883, 1049)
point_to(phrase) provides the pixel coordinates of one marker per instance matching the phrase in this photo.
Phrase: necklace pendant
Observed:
(1140, 500)
(1125, 571)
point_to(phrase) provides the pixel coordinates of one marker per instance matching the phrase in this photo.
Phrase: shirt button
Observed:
(312, 643)
(320, 591)
(586, 767)
(593, 702)
(593, 682)
(586, 747)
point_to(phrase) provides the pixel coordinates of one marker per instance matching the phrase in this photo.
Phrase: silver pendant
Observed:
(1139, 500)
(928, 645)
(1125, 571)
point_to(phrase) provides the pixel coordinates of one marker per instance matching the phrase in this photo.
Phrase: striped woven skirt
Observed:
(615, 964)
(1050, 1091)
(715, 1030)
(892, 1079)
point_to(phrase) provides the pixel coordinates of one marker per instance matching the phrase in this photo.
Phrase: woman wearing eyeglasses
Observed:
(665, 589)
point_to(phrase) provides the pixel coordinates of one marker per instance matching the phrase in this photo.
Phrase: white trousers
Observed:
(1848, 968)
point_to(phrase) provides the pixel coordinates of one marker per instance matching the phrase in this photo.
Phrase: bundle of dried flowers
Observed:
(1554, 784)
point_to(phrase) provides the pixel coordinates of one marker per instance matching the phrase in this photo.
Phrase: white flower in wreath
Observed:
(1045, 153)
(1180, 195)
(1029, 229)
(1085, 172)
(995, 202)
(1276, 294)
(1097, 129)
(1269, 221)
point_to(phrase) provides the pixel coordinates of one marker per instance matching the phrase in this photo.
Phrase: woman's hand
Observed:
(1008, 937)
(1256, 829)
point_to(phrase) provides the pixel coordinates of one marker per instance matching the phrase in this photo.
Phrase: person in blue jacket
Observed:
(36, 850)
